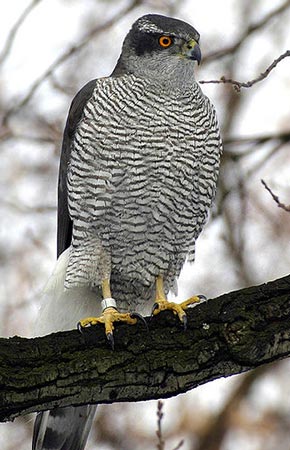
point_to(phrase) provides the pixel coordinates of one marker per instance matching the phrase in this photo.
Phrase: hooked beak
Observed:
(191, 50)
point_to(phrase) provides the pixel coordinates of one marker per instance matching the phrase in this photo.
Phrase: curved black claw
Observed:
(202, 298)
(139, 317)
(154, 307)
(80, 328)
(110, 338)
(184, 321)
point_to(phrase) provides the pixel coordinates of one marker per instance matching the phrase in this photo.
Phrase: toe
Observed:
(191, 301)
(88, 321)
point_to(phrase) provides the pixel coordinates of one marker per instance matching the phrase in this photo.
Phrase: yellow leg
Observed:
(106, 288)
(162, 304)
(110, 314)
(159, 294)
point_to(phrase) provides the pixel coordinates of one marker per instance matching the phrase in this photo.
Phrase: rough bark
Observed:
(226, 335)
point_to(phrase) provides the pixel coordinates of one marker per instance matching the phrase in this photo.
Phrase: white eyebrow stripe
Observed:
(145, 25)
(150, 27)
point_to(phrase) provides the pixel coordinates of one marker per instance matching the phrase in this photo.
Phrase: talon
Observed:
(86, 323)
(79, 327)
(162, 304)
(139, 317)
(184, 321)
(110, 338)
(202, 298)
(110, 315)
(108, 318)
(154, 308)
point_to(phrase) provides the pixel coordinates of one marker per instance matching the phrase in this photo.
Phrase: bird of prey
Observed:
(138, 174)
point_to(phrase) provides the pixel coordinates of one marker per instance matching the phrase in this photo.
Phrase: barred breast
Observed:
(141, 178)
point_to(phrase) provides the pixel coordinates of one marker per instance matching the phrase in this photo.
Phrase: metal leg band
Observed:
(108, 303)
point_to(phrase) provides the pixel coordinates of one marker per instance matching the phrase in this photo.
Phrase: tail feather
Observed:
(61, 308)
(63, 428)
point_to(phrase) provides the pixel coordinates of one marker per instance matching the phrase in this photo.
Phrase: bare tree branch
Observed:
(159, 432)
(14, 30)
(26, 209)
(160, 443)
(239, 84)
(276, 198)
(247, 33)
(227, 335)
(66, 55)
(258, 165)
(283, 136)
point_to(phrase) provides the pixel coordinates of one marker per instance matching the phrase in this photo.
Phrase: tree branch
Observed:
(283, 136)
(252, 28)
(14, 30)
(276, 198)
(247, 84)
(227, 335)
(66, 55)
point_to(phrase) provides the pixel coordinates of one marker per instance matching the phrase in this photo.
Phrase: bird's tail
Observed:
(61, 308)
(63, 428)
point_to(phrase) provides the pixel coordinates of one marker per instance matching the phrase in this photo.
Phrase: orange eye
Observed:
(165, 41)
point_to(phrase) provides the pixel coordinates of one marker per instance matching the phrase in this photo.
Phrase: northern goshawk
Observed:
(138, 174)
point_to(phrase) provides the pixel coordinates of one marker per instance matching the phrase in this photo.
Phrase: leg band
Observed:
(108, 303)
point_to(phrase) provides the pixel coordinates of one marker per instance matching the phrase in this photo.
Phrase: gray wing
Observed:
(64, 222)
(66, 428)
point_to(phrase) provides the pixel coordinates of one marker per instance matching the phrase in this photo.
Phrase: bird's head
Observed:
(160, 47)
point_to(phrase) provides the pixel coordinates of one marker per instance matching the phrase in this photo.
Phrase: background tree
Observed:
(49, 50)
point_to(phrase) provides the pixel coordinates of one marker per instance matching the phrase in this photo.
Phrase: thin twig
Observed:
(26, 209)
(7, 133)
(239, 84)
(284, 137)
(160, 443)
(247, 33)
(276, 198)
(179, 445)
(258, 165)
(14, 30)
(250, 144)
